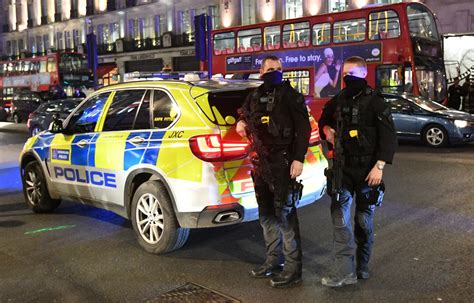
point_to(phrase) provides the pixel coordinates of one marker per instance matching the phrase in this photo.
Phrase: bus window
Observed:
(384, 25)
(321, 34)
(421, 22)
(51, 65)
(249, 40)
(296, 35)
(271, 37)
(299, 79)
(389, 78)
(224, 43)
(349, 31)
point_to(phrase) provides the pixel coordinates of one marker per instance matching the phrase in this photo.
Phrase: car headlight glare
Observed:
(460, 123)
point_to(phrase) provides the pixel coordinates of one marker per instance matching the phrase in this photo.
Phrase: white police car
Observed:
(164, 154)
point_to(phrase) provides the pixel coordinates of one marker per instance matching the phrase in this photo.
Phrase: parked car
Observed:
(26, 102)
(418, 118)
(41, 118)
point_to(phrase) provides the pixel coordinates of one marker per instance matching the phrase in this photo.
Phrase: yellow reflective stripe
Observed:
(110, 150)
(175, 158)
(100, 123)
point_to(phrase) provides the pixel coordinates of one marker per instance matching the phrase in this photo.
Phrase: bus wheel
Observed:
(154, 221)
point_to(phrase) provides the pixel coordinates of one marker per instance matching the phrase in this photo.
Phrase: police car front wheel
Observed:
(35, 189)
(154, 220)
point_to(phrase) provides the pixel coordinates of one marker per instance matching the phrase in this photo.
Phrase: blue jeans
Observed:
(352, 249)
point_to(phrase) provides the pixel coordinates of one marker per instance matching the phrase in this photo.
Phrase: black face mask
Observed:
(272, 78)
(354, 84)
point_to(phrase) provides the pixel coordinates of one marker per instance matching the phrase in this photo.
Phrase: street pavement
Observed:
(423, 249)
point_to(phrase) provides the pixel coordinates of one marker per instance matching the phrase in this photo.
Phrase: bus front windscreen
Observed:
(421, 22)
(73, 63)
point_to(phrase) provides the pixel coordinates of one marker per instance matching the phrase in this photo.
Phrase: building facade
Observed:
(141, 35)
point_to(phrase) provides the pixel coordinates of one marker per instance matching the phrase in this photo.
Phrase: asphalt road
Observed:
(423, 249)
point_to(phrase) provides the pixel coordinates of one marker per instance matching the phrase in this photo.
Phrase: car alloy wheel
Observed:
(149, 216)
(33, 187)
(435, 136)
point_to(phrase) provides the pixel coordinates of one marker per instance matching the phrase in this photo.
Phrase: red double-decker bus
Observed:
(400, 43)
(67, 71)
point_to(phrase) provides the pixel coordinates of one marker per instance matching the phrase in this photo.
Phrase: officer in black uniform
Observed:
(275, 118)
(368, 142)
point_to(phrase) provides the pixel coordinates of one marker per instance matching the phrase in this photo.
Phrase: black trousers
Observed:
(278, 216)
(353, 247)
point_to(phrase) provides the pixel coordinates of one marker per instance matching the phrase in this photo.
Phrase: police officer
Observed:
(368, 142)
(275, 118)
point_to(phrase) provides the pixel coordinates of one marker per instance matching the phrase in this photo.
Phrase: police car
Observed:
(163, 154)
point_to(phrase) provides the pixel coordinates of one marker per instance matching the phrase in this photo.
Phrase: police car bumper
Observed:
(213, 215)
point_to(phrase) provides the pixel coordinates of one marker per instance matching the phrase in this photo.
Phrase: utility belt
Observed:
(358, 160)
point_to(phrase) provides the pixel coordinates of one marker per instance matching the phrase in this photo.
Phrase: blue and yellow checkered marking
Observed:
(42, 145)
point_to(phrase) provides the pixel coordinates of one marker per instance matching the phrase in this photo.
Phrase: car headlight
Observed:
(460, 123)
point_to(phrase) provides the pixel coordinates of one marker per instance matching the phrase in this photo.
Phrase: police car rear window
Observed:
(222, 107)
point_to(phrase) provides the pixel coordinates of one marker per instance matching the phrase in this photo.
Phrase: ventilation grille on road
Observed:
(193, 293)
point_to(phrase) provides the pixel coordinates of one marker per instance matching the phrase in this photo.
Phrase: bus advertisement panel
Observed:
(400, 43)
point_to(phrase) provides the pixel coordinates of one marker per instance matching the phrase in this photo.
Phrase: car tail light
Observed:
(212, 148)
(28, 123)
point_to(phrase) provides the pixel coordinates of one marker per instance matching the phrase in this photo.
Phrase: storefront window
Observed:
(293, 9)
(337, 5)
(248, 12)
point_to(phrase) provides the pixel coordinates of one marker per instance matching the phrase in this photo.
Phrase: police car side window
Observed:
(123, 110)
(85, 118)
(165, 111)
(142, 121)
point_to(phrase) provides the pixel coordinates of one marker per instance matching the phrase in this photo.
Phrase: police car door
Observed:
(128, 110)
(71, 162)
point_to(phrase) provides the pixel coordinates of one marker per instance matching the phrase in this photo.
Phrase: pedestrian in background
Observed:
(275, 118)
(455, 92)
(362, 123)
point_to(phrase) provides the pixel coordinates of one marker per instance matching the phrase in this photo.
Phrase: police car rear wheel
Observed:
(435, 136)
(154, 221)
(36, 191)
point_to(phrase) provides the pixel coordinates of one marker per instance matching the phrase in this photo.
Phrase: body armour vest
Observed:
(359, 134)
(269, 115)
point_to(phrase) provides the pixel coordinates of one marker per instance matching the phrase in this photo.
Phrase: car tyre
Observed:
(16, 118)
(435, 136)
(35, 189)
(154, 221)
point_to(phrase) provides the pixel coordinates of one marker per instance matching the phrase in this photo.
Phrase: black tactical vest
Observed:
(359, 134)
(269, 115)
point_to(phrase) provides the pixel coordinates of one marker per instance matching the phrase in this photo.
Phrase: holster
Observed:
(295, 193)
(329, 173)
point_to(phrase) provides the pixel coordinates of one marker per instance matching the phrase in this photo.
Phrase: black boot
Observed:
(266, 271)
(286, 279)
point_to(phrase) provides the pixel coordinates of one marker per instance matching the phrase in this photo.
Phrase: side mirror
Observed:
(56, 126)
